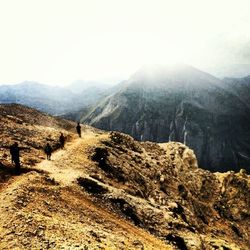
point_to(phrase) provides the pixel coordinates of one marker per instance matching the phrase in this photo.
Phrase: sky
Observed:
(60, 41)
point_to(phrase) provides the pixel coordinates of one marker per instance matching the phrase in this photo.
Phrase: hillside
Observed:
(31, 129)
(240, 87)
(45, 207)
(108, 191)
(186, 105)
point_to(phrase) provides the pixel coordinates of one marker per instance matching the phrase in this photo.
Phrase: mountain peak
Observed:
(173, 75)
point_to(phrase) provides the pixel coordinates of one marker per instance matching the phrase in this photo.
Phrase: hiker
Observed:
(78, 129)
(48, 151)
(62, 141)
(15, 156)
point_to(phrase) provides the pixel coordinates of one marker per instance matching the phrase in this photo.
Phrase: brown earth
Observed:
(51, 210)
(45, 208)
(107, 191)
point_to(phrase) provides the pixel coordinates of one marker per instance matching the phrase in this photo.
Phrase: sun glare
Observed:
(60, 41)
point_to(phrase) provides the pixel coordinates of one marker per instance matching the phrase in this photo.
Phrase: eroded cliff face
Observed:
(160, 188)
(196, 109)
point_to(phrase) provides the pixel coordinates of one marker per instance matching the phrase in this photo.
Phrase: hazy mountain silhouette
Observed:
(51, 99)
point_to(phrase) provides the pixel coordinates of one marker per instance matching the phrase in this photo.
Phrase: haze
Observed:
(60, 41)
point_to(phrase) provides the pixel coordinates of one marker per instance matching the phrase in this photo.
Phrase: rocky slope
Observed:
(240, 87)
(45, 207)
(161, 188)
(32, 130)
(108, 191)
(186, 105)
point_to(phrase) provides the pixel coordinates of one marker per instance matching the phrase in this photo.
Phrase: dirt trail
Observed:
(68, 164)
(36, 214)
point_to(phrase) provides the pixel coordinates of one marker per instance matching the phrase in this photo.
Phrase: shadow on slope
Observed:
(161, 189)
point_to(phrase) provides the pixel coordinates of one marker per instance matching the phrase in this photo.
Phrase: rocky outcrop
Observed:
(159, 187)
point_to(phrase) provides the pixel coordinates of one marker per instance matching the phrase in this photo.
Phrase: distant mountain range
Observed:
(51, 99)
(182, 104)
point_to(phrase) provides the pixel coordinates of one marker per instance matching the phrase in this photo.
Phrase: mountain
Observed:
(182, 103)
(53, 99)
(240, 87)
(108, 191)
(91, 93)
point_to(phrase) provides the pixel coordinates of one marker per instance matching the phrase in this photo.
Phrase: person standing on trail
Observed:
(12, 152)
(48, 151)
(62, 141)
(78, 129)
(15, 156)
